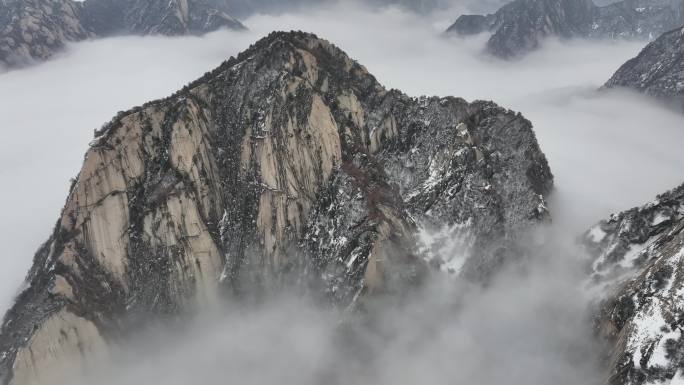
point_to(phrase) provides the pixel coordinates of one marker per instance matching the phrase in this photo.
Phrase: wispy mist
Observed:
(608, 150)
(526, 328)
(244, 8)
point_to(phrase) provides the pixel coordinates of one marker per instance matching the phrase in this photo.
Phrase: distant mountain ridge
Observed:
(244, 8)
(34, 30)
(520, 26)
(657, 71)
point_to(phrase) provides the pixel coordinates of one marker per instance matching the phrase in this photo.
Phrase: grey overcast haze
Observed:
(609, 150)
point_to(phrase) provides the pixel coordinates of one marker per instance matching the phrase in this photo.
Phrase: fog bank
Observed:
(525, 329)
(608, 150)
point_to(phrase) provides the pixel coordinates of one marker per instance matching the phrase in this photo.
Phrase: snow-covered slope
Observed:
(638, 274)
(657, 71)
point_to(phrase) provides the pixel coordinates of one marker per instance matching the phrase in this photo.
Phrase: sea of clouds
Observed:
(609, 151)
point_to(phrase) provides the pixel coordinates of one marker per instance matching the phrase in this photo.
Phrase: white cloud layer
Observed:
(608, 150)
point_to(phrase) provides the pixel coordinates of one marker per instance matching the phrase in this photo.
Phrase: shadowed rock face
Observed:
(657, 71)
(638, 271)
(34, 30)
(520, 26)
(288, 165)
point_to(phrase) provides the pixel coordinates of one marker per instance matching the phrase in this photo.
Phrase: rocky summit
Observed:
(35, 30)
(289, 165)
(520, 26)
(657, 71)
(638, 275)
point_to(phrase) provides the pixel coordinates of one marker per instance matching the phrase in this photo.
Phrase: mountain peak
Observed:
(519, 26)
(657, 71)
(292, 53)
(328, 53)
(287, 165)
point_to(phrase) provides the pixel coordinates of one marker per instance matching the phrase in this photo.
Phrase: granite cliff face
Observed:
(638, 274)
(657, 71)
(288, 165)
(520, 26)
(34, 30)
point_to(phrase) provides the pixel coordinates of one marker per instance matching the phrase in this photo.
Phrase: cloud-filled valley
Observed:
(608, 150)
